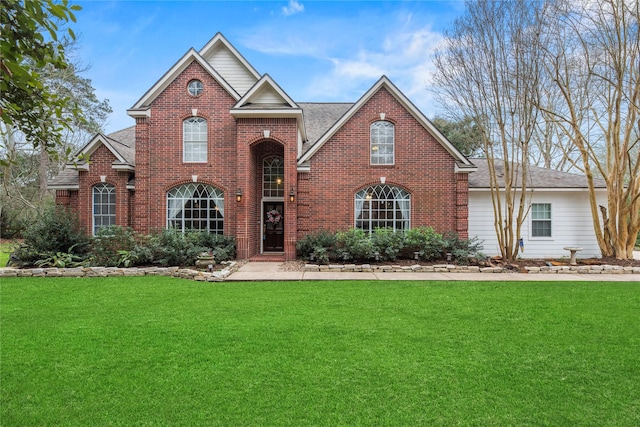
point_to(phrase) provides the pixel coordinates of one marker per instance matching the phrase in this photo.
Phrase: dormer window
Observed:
(195, 87)
(382, 143)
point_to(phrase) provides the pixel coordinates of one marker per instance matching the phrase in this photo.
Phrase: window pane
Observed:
(195, 206)
(195, 140)
(104, 206)
(382, 143)
(382, 206)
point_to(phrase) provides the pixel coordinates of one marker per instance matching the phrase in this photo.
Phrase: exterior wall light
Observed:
(292, 195)
(239, 195)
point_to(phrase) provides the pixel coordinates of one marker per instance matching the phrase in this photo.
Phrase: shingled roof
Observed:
(538, 177)
(123, 145)
(319, 117)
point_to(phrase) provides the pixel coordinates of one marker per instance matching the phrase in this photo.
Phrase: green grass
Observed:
(5, 251)
(164, 351)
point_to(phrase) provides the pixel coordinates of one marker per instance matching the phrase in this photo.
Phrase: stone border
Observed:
(184, 273)
(450, 268)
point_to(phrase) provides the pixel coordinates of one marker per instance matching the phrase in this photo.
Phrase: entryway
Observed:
(273, 227)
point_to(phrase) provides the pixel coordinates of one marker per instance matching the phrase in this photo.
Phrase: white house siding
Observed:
(231, 69)
(571, 224)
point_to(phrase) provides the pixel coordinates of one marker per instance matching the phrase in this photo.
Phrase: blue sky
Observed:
(315, 50)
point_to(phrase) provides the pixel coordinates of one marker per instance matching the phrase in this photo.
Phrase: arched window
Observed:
(382, 143)
(195, 206)
(104, 206)
(383, 206)
(273, 177)
(194, 136)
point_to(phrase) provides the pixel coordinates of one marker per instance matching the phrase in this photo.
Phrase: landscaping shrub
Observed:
(54, 232)
(425, 241)
(354, 244)
(113, 246)
(387, 243)
(222, 247)
(317, 246)
(462, 249)
(173, 248)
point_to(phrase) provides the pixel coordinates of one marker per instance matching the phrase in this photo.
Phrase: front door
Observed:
(273, 227)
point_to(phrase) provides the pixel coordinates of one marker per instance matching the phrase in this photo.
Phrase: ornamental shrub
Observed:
(318, 245)
(223, 247)
(57, 229)
(171, 247)
(425, 241)
(387, 243)
(54, 233)
(462, 249)
(109, 242)
(355, 245)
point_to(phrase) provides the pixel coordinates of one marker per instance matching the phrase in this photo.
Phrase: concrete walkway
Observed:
(270, 271)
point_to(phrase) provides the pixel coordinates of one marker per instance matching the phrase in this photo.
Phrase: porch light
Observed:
(292, 195)
(239, 195)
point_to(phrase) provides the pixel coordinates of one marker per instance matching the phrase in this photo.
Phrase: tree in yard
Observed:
(47, 108)
(464, 134)
(488, 69)
(29, 43)
(593, 61)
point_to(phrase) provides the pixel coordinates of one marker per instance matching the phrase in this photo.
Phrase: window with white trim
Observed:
(382, 143)
(273, 177)
(194, 138)
(382, 206)
(541, 220)
(195, 206)
(104, 206)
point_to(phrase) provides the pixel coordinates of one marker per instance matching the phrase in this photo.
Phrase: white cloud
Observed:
(293, 8)
(404, 56)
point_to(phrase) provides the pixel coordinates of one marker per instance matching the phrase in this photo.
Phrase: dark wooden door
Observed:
(273, 227)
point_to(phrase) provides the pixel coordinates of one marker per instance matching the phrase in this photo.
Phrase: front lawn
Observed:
(165, 351)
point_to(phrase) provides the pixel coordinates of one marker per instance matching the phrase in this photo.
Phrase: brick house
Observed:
(216, 146)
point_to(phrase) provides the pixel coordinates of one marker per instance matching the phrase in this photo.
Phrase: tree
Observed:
(27, 159)
(464, 134)
(29, 43)
(489, 69)
(593, 60)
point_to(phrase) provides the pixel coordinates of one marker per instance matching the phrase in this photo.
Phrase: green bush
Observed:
(317, 246)
(425, 241)
(55, 230)
(173, 248)
(109, 245)
(387, 243)
(355, 245)
(462, 249)
(222, 247)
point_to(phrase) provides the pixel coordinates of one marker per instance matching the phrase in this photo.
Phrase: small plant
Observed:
(60, 260)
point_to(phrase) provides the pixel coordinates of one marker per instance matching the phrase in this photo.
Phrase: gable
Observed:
(141, 107)
(230, 64)
(462, 163)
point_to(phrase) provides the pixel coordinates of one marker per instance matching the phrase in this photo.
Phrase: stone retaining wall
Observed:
(184, 273)
(450, 268)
